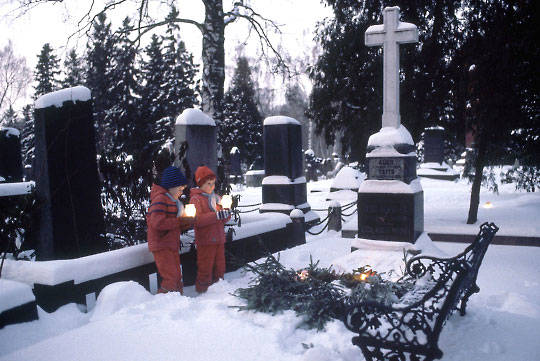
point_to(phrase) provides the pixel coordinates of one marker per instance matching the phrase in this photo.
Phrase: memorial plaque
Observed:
(386, 168)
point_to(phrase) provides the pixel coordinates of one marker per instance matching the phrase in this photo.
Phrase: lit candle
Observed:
(226, 201)
(190, 210)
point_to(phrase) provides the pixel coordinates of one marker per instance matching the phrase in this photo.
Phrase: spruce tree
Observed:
(153, 97)
(47, 71)
(242, 124)
(501, 93)
(27, 135)
(180, 88)
(10, 119)
(100, 48)
(73, 71)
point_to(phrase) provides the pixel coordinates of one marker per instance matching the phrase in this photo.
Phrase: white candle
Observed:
(226, 201)
(190, 210)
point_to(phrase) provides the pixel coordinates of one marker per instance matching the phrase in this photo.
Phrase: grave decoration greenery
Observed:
(316, 294)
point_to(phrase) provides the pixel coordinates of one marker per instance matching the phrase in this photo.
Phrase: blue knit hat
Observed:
(172, 177)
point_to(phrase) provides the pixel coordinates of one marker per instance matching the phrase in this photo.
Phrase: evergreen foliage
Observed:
(47, 72)
(73, 71)
(242, 124)
(317, 294)
(10, 118)
(180, 91)
(100, 48)
(27, 135)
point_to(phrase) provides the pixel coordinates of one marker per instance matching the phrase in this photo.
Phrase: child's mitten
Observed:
(223, 214)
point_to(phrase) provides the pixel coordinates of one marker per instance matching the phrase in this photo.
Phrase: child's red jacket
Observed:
(163, 226)
(208, 229)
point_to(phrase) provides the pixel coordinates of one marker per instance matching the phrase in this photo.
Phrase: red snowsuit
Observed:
(209, 239)
(164, 238)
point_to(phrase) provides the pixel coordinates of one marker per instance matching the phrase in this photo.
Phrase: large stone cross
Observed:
(390, 34)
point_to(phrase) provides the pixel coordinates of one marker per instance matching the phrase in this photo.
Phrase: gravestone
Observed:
(67, 184)
(284, 184)
(311, 165)
(434, 165)
(11, 169)
(390, 201)
(196, 131)
(255, 173)
(235, 165)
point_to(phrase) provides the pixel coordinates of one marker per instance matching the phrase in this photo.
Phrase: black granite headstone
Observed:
(10, 155)
(284, 182)
(434, 145)
(67, 184)
(236, 168)
(198, 131)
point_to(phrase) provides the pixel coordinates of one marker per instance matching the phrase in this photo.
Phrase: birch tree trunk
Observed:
(213, 57)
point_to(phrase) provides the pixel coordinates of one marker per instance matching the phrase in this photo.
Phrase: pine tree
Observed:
(242, 124)
(10, 119)
(73, 71)
(27, 135)
(502, 95)
(47, 71)
(153, 97)
(123, 116)
(180, 87)
(100, 50)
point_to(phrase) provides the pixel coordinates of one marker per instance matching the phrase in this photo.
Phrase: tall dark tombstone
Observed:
(434, 145)
(284, 184)
(197, 131)
(67, 183)
(235, 165)
(434, 165)
(391, 200)
(11, 169)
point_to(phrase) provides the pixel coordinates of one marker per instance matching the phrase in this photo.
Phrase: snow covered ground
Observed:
(128, 323)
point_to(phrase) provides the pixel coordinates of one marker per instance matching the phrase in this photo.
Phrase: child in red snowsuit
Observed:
(209, 230)
(165, 223)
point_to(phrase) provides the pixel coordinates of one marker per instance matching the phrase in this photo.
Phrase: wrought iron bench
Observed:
(410, 330)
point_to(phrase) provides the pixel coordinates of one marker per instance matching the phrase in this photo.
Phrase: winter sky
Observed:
(54, 22)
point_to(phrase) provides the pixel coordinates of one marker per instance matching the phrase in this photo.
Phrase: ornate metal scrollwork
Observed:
(410, 330)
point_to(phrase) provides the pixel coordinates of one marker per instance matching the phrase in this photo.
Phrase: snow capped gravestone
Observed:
(235, 169)
(434, 165)
(67, 184)
(284, 184)
(391, 200)
(10, 149)
(347, 178)
(198, 132)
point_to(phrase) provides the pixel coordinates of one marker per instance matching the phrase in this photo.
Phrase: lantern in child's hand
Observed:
(226, 201)
(190, 210)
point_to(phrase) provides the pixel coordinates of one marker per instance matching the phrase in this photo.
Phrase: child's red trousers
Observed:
(168, 265)
(210, 265)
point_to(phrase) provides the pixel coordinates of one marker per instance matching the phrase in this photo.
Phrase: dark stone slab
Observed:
(67, 184)
(11, 168)
(23, 313)
(201, 141)
(434, 145)
(283, 150)
(391, 216)
(293, 194)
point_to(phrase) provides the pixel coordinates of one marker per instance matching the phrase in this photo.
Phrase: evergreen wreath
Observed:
(316, 294)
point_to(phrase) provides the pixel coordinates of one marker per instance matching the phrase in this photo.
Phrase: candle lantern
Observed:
(190, 210)
(226, 201)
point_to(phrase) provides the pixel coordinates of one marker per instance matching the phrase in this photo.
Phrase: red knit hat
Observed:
(202, 174)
